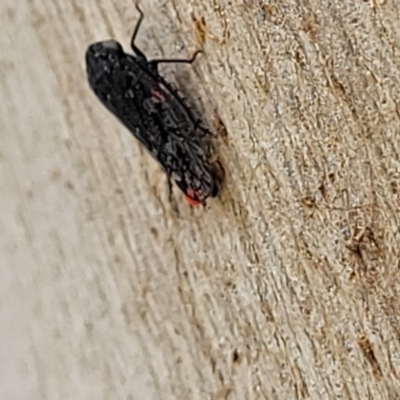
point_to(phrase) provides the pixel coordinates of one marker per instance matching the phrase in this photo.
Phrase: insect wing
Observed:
(185, 148)
(118, 81)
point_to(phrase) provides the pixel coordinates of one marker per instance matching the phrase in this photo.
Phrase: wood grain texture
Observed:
(285, 287)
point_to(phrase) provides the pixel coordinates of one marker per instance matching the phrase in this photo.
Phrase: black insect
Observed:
(131, 88)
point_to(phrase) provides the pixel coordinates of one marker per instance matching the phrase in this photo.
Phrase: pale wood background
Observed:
(285, 287)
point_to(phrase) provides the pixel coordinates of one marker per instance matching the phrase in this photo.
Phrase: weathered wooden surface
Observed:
(286, 287)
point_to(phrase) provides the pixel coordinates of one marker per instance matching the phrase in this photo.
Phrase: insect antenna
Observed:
(134, 34)
(176, 60)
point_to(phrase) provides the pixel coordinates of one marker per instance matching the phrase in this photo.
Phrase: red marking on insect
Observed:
(157, 96)
(191, 198)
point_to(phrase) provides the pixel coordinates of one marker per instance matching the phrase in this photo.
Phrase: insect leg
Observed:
(170, 193)
(157, 61)
(134, 34)
(171, 198)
